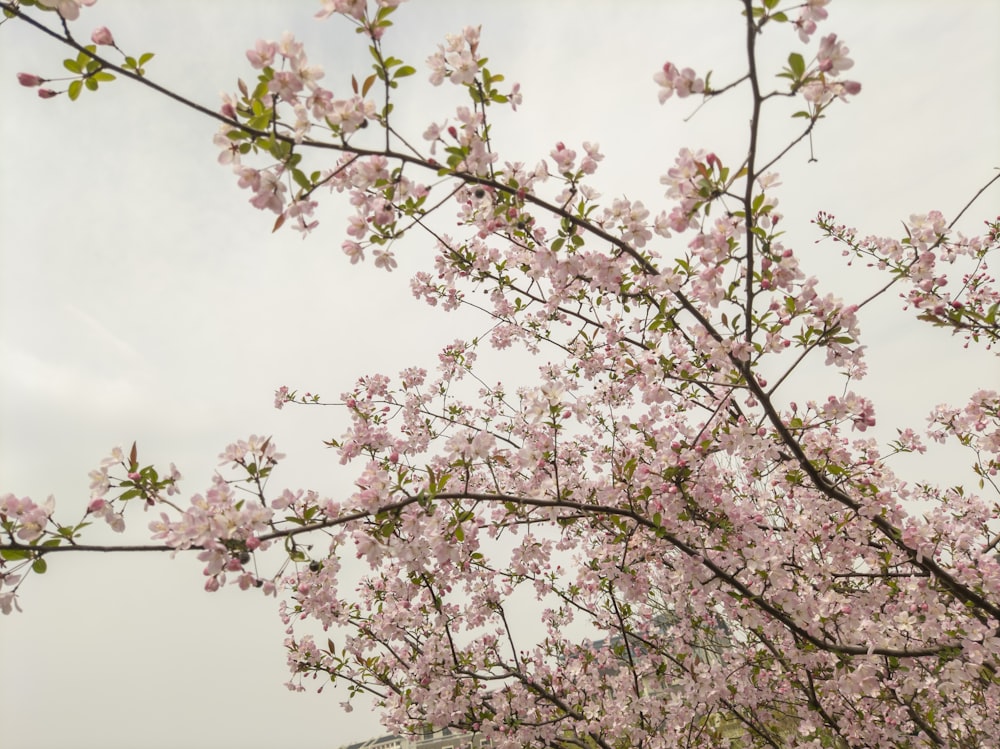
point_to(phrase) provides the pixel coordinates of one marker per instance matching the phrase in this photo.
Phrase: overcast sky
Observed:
(141, 297)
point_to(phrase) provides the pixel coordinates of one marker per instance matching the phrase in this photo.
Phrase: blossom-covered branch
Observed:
(708, 560)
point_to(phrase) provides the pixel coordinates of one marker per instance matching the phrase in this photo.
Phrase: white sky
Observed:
(141, 297)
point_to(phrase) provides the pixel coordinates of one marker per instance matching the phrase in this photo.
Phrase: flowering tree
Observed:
(743, 567)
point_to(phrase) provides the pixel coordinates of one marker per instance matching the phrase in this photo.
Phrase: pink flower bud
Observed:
(47, 93)
(27, 79)
(101, 35)
(96, 506)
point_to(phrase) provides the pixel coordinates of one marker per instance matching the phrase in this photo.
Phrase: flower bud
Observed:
(47, 93)
(29, 80)
(103, 36)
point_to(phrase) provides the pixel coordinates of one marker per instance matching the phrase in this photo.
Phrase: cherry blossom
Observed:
(812, 12)
(832, 55)
(675, 81)
(68, 9)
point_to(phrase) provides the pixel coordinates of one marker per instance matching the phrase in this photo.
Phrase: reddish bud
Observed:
(47, 93)
(29, 80)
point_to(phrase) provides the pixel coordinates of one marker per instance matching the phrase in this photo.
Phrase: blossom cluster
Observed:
(967, 301)
(811, 13)
(289, 103)
(818, 84)
(457, 59)
(224, 528)
(25, 518)
(682, 82)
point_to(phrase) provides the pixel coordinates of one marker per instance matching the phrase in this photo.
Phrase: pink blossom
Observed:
(832, 55)
(350, 114)
(285, 84)
(812, 11)
(281, 397)
(354, 251)
(262, 54)
(681, 82)
(68, 9)
(96, 505)
(515, 97)
(230, 149)
(563, 157)
(384, 259)
(589, 163)
(352, 8)
(269, 192)
(463, 67)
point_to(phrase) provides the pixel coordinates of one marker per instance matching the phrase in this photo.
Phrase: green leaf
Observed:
(146, 58)
(39, 566)
(74, 90)
(73, 66)
(13, 555)
(797, 64)
(404, 71)
(301, 179)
